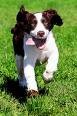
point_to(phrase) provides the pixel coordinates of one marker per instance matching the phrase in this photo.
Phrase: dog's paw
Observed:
(47, 76)
(32, 93)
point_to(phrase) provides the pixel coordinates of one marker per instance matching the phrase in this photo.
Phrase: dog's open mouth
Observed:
(40, 43)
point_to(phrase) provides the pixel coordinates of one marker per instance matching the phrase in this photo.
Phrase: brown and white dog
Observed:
(33, 40)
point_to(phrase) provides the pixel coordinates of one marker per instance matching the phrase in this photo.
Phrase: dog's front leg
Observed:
(51, 66)
(29, 73)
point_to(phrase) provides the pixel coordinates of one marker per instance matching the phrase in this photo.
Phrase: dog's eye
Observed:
(44, 21)
(34, 22)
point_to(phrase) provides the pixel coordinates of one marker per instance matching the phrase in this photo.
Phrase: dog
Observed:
(33, 40)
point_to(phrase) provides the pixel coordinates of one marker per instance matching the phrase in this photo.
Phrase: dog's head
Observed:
(40, 24)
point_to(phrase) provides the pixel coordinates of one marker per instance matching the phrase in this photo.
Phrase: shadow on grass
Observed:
(12, 87)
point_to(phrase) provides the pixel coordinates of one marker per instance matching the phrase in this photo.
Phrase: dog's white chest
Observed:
(43, 55)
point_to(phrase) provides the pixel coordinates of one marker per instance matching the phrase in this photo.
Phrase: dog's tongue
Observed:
(38, 42)
(30, 42)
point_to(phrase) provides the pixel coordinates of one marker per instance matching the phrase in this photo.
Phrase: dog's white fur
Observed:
(26, 65)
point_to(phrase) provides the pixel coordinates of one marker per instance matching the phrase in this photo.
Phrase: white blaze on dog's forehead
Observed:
(40, 26)
(38, 16)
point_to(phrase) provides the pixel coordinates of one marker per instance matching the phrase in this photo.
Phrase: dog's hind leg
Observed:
(19, 63)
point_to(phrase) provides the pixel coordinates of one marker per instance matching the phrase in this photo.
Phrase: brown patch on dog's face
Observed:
(32, 22)
(51, 18)
(45, 21)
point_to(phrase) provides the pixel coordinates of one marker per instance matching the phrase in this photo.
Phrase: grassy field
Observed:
(58, 98)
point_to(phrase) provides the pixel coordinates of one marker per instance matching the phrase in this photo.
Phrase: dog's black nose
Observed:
(40, 33)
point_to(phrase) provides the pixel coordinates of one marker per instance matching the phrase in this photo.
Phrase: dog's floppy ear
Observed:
(53, 17)
(21, 16)
(21, 23)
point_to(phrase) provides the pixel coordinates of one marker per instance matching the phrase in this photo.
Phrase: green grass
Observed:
(60, 96)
